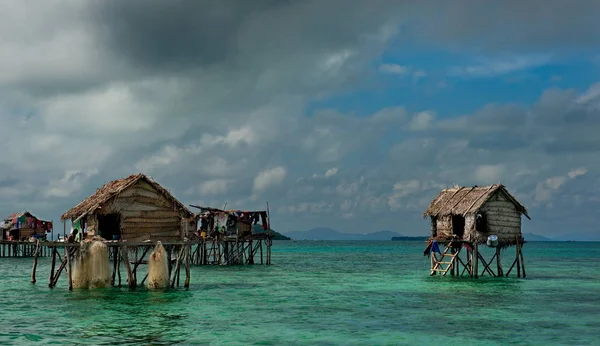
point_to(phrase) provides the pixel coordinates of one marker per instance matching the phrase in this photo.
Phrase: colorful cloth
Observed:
(77, 224)
(435, 247)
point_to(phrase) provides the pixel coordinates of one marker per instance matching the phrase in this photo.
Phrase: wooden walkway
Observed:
(182, 254)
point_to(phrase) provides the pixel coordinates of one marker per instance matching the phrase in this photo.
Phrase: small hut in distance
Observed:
(473, 214)
(135, 208)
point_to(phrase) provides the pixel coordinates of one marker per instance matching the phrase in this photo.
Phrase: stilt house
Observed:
(135, 208)
(23, 225)
(474, 213)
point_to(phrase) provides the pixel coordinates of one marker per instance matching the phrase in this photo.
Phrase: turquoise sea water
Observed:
(320, 293)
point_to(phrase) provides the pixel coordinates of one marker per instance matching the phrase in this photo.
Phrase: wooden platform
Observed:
(226, 251)
(22, 249)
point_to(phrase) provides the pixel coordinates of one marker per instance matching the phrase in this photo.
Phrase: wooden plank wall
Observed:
(146, 214)
(503, 219)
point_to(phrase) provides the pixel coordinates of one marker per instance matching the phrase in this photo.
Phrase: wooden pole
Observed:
(51, 280)
(500, 271)
(35, 260)
(115, 263)
(187, 266)
(476, 260)
(520, 244)
(130, 278)
(119, 267)
(69, 268)
(177, 264)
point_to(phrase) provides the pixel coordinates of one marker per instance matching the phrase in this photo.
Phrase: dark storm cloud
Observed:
(159, 33)
(187, 34)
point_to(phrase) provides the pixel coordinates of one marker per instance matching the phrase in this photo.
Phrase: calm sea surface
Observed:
(320, 293)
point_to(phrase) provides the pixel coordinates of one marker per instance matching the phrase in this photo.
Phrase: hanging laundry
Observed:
(265, 223)
(435, 247)
(76, 225)
(255, 218)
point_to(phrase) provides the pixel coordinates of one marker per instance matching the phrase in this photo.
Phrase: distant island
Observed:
(325, 233)
(276, 235)
(409, 238)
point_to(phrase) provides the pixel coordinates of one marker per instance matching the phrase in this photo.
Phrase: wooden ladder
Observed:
(438, 264)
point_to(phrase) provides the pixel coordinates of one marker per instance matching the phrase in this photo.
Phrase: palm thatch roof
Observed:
(112, 189)
(466, 200)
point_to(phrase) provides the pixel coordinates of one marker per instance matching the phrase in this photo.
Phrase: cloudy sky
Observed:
(344, 114)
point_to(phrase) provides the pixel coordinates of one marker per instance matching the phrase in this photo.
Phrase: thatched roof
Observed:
(17, 215)
(113, 188)
(467, 200)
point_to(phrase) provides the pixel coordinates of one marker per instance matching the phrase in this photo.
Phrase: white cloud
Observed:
(331, 172)
(214, 186)
(269, 177)
(544, 190)
(72, 182)
(490, 174)
(419, 74)
(577, 172)
(493, 67)
(394, 69)
(206, 114)
(422, 121)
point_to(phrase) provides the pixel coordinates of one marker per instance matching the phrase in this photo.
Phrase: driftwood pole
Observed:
(51, 280)
(187, 266)
(518, 260)
(520, 246)
(115, 263)
(499, 262)
(177, 265)
(35, 260)
(476, 260)
(130, 278)
(69, 268)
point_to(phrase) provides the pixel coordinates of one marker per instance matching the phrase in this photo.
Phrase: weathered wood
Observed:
(69, 268)
(495, 222)
(520, 246)
(187, 266)
(499, 269)
(475, 260)
(518, 261)
(52, 265)
(486, 265)
(152, 220)
(139, 261)
(130, 278)
(35, 261)
(115, 262)
(177, 264)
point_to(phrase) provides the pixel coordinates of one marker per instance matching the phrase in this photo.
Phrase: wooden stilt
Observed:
(518, 261)
(499, 269)
(115, 256)
(69, 268)
(119, 267)
(476, 260)
(52, 265)
(35, 260)
(177, 264)
(520, 245)
(130, 278)
(139, 261)
(187, 266)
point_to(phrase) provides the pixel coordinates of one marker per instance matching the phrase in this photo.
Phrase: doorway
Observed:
(109, 226)
(458, 225)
